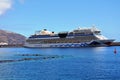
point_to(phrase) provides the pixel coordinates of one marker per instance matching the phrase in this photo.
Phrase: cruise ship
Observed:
(80, 37)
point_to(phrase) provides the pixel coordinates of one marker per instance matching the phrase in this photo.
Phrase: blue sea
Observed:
(93, 63)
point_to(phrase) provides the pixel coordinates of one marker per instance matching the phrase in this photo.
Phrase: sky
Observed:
(27, 16)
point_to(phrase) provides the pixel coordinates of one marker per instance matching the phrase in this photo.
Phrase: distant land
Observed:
(11, 38)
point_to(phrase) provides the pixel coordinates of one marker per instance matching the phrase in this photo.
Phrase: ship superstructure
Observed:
(81, 37)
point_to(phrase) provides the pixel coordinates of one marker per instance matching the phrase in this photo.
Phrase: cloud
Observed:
(5, 5)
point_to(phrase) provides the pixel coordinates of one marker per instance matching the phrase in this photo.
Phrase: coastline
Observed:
(22, 45)
(9, 46)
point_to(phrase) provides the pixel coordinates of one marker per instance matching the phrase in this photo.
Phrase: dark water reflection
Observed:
(98, 63)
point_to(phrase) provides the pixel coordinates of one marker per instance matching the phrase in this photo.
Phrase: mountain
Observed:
(11, 38)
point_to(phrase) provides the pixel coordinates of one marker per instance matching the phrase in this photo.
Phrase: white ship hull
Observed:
(66, 45)
(58, 45)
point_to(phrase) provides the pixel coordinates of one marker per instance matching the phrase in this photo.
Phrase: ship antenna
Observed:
(79, 27)
(93, 27)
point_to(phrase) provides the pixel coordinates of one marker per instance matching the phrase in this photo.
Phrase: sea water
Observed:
(93, 63)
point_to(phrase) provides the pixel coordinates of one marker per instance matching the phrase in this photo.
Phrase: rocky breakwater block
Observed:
(29, 57)
(39, 56)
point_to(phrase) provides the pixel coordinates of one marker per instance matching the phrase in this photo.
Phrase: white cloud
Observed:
(5, 5)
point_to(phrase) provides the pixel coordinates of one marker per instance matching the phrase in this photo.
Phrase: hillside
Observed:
(11, 38)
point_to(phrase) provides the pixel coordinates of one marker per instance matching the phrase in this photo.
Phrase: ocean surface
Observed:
(95, 63)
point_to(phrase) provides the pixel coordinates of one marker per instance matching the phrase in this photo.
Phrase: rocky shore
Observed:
(17, 45)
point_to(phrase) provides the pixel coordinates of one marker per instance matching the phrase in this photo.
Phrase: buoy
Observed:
(115, 51)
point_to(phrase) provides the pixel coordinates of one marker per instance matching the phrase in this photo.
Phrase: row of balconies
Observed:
(63, 40)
